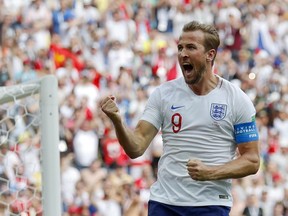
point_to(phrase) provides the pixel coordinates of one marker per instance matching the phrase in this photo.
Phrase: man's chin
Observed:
(191, 81)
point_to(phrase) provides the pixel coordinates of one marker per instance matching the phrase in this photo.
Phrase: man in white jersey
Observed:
(204, 119)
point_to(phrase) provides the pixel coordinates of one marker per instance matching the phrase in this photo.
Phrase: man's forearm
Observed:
(127, 140)
(238, 168)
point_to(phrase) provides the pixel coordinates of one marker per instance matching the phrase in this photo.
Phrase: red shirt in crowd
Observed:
(113, 152)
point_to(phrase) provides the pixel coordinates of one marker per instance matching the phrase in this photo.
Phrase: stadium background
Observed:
(127, 48)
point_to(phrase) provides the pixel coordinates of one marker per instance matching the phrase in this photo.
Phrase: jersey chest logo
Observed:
(218, 111)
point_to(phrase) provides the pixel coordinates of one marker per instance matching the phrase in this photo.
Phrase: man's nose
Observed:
(183, 53)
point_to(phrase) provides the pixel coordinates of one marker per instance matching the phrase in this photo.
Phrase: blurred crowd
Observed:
(127, 48)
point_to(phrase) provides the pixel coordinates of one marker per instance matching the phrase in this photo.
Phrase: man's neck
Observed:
(205, 86)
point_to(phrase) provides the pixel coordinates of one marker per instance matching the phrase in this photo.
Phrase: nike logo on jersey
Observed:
(176, 107)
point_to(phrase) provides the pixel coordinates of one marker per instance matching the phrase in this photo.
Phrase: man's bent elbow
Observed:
(255, 166)
(134, 154)
(254, 169)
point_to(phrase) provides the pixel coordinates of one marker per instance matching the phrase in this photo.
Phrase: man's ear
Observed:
(211, 55)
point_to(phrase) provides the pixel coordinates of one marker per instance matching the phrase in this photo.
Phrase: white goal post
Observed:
(46, 90)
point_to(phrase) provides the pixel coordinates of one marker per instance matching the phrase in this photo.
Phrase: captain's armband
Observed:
(246, 132)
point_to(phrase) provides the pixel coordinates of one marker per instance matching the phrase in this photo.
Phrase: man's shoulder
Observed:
(230, 86)
(169, 88)
(236, 93)
(172, 83)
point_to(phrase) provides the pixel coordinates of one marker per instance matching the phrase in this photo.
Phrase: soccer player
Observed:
(204, 121)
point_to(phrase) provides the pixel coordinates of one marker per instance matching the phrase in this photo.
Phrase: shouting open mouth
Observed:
(187, 67)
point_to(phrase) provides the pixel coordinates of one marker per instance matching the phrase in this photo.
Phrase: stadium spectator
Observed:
(70, 175)
(94, 174)
(266, 203)
(119, 27)
(9, 161)
(278, 209)
(86, 90)
(86, 137)
(109, 204)
(252, 206)
(113, 153)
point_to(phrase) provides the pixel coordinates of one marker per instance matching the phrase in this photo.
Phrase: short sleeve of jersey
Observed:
(244, 109)
(152, 112)
(245, 126)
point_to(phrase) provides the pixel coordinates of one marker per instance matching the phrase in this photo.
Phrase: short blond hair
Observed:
(211, 40)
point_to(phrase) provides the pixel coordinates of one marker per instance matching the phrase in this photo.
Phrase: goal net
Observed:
(29, 155)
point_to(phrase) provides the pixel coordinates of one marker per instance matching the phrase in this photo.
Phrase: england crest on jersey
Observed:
(218, 111)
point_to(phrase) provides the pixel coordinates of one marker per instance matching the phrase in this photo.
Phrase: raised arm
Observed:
(134, 142)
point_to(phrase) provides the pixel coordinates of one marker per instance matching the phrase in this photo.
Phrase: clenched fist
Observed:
(109, 107)
(197, 170)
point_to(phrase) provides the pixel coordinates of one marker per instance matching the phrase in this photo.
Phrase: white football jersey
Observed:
(199, 127)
